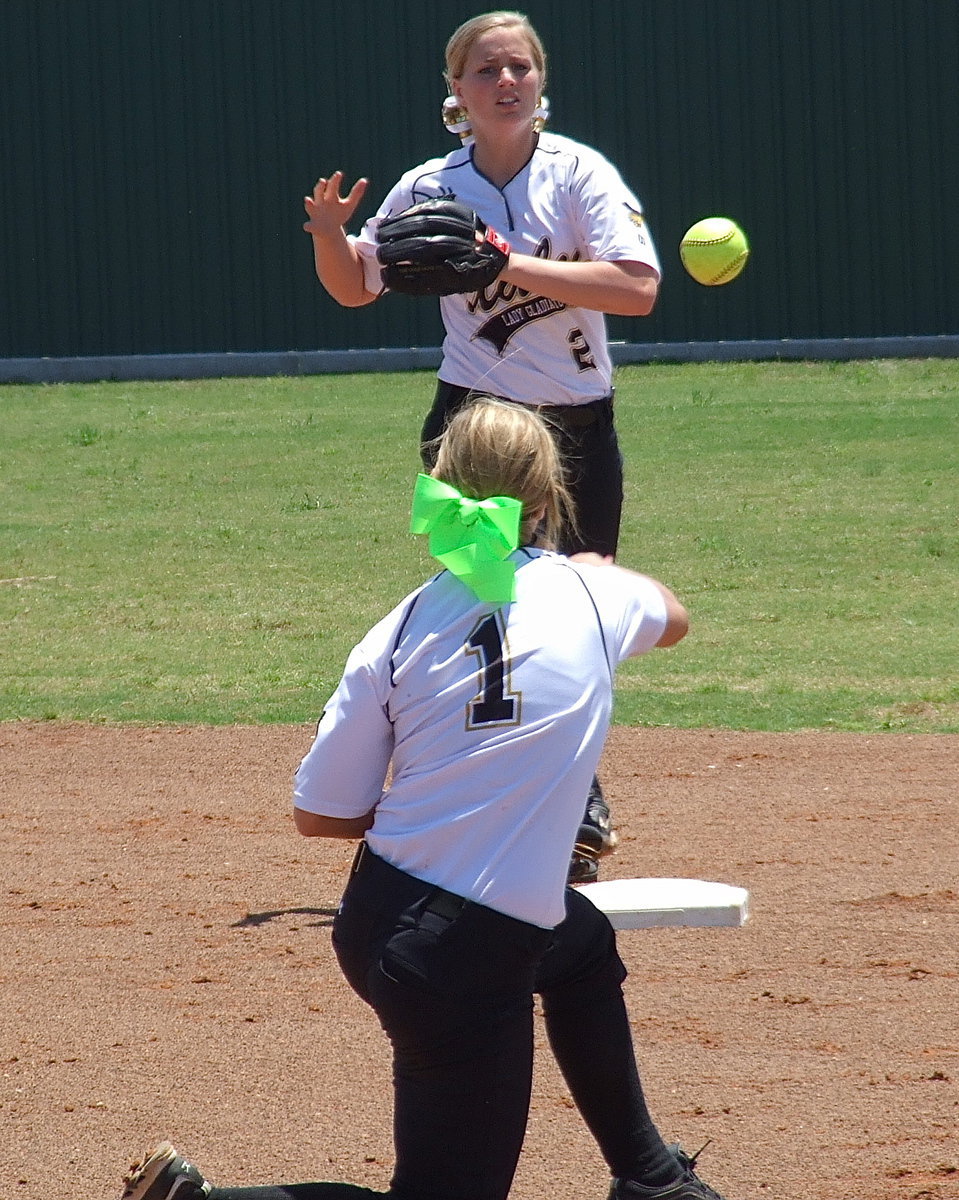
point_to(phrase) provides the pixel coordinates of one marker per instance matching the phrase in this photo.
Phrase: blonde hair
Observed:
(495, 448)
(463, 39)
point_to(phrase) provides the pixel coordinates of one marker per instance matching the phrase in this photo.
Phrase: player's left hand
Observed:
(327, 209)
(439, 248)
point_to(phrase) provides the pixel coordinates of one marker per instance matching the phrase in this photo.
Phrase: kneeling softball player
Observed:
(487, 692)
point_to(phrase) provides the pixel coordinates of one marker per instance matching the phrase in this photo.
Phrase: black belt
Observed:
(382, 888)
(577, 416)
(392, 884)
(570, 416)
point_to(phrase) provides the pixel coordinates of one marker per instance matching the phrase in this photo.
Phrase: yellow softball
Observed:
(714, 250)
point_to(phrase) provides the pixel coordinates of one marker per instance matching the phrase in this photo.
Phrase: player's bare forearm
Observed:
(339, 269)
(624, 289)
(338, 265)
(315, 825)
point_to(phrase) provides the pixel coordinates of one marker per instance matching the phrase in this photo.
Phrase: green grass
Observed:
(209, 551)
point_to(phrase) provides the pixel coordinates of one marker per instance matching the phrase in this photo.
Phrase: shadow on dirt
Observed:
(253, 920)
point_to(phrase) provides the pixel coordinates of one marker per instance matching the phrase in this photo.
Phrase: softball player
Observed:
(486, 697)
(579, 248)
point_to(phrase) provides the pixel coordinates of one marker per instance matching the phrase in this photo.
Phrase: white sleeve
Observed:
(372, 279)
(399, 199)
(631, 608)
(644, 621)
(613, 225)
(343, 772)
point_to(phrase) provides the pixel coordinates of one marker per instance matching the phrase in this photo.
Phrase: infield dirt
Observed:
(167, 969)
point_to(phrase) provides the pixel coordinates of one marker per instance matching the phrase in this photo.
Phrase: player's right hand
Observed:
(327, 209)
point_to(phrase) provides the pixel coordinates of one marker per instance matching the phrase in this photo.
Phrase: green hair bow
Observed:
(471, 538)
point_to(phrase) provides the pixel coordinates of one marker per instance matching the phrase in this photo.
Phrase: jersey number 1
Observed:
(495, 705)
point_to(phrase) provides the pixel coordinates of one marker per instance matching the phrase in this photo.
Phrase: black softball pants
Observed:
(452, 983)
(589, 447)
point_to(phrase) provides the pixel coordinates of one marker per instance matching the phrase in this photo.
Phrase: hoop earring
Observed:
(541, 114)
(457, 120)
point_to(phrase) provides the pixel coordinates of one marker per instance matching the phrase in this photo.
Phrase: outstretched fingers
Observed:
(327, 208)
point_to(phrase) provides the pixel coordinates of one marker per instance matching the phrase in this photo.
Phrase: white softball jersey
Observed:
(569, 203)
(491, 720)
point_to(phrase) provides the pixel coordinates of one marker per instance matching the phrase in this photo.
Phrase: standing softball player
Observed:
(529, 238)
(485, 695)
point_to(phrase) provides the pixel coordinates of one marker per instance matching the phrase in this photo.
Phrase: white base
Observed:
(655, 903)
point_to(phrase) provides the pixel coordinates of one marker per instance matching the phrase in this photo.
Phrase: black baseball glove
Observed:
(439, 248)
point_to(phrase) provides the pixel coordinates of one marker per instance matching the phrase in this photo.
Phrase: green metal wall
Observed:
(153, 156)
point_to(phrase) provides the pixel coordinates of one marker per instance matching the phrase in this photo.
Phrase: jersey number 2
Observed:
(495, 704)
(581, 351)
